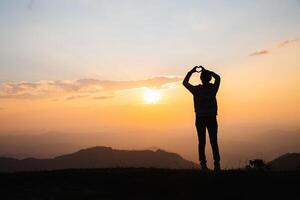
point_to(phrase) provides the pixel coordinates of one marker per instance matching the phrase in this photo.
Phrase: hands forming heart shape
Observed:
(198, 69)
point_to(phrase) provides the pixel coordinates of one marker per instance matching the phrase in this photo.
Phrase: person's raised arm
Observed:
(186, 80)
(217, 80)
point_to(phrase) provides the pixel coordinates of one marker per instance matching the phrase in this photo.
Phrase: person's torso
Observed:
(205, 102)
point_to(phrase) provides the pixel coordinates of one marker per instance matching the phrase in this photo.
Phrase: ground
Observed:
(149, 184)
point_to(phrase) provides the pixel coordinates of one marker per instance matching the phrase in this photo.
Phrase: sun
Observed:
(151, 96)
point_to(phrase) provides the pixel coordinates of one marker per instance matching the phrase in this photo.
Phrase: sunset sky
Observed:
(76, 66)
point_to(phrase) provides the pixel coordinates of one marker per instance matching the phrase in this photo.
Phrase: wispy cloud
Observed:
(78, 88)
(18, 96)
(104, 97)
(287, 42)
(76, 97)
(259, 53)
(279, 45)
(30, 4)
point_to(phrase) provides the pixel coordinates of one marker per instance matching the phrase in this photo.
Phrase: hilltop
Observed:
(289, 161)
(100, 157)
(141, 183)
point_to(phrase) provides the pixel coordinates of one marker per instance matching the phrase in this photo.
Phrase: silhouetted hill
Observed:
(100, 157)
(289, 161)
(24, 144)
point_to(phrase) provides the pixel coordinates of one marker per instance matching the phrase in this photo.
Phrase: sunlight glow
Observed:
(151, 96)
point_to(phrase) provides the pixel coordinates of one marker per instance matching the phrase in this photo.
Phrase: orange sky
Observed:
(259, 89)
(82, 68)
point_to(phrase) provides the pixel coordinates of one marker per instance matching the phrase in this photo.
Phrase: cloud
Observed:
(77, 89)
(280, 45)
(30, 4)
(124, 85)
(259, 53)
(287, 42)
(13, 88)
(76, 97)
(18, 96)
(104, 97)
(86, 96)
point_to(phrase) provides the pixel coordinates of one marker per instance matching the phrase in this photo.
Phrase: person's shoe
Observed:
(204, 168)
(217, 167)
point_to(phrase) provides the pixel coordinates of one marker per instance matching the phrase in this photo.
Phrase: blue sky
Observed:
(72, 39)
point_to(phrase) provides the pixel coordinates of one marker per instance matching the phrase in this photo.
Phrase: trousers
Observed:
(210, 123)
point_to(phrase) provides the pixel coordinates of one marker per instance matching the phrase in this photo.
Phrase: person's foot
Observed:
(217, 167)
(204, 168)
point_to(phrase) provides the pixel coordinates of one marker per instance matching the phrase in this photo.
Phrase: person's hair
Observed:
(205, 76)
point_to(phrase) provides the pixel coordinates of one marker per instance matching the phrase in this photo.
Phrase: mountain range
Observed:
(107, 157)
(236, 148)
(289, 161)
(99, 157)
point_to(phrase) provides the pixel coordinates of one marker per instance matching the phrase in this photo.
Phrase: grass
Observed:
(141, 183)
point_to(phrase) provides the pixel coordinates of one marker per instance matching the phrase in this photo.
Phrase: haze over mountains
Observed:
(236, 147)
(106, 157)
(100, 157)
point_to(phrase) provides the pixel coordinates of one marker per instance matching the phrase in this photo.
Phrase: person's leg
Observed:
(212, 127)
(201, 131)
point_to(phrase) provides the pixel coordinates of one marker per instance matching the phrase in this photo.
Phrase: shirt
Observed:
(205, 101)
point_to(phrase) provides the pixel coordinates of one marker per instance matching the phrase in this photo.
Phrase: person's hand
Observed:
(202, 68)
(195, 69)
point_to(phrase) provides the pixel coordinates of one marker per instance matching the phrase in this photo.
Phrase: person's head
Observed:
(205, 77)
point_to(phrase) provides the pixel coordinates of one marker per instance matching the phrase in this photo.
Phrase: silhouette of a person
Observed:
(206, 109)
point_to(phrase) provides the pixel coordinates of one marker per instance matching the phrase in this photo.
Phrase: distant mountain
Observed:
(289, 161)
(100, 157)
